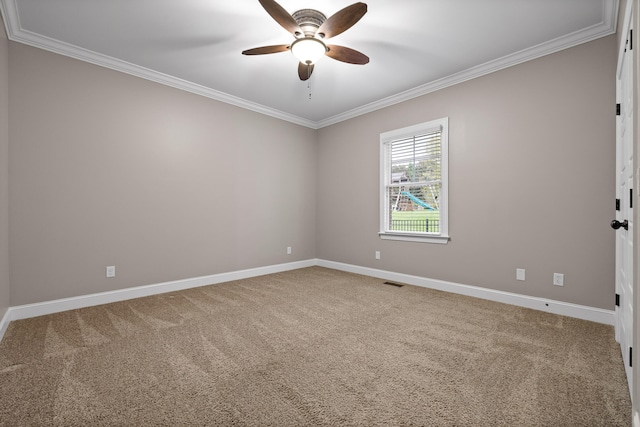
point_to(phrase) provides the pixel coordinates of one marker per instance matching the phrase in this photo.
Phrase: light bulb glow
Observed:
(308, 50)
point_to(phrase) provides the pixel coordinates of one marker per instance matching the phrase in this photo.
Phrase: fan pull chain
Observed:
(308, 79)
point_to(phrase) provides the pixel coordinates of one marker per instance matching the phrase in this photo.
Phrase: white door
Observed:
(624, 206)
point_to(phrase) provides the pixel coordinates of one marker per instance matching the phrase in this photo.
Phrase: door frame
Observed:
(631, 14)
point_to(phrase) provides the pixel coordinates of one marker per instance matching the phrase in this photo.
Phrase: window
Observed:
(414, 183)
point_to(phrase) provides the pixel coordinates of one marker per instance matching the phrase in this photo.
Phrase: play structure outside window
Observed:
(414, 183)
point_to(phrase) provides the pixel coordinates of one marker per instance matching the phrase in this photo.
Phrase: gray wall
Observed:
(532, 158)
(109, 169)
(4, 171)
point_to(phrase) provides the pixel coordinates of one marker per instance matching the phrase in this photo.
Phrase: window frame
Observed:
(385, 177)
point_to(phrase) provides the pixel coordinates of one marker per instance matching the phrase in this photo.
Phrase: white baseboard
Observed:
(56, 306)
(636, 420)
(550, 306)
(4, 323)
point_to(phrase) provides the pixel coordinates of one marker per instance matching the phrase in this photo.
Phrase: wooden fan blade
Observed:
(266, 49)
(281, 16)
(304, 71)
(345, 54)
(342, 20)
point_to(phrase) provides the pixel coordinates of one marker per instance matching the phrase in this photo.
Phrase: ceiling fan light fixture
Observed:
(308, 50)
(310, 29)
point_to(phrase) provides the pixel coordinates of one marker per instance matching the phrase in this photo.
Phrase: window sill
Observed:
(408, 237)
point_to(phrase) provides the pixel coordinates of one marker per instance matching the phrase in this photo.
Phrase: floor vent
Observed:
(394, 284)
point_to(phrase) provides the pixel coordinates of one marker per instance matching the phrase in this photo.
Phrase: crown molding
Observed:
(605, 28)
(15, 33)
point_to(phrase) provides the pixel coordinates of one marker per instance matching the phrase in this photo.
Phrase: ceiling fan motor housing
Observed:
(309, 20)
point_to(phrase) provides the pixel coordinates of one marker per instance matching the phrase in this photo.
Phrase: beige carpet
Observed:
(310, 347)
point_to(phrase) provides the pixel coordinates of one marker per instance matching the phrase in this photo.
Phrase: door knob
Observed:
(615, 224)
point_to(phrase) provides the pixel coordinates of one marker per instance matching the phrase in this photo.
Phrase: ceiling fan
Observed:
(310, 29)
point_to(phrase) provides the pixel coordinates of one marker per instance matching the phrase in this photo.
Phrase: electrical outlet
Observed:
(377, 254)
(288, 250)
(558, 279)
(519, 273)
(111, 271)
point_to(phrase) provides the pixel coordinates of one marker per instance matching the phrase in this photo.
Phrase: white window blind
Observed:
(418, 157)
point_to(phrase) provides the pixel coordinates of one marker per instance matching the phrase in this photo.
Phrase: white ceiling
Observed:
(415, 46)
